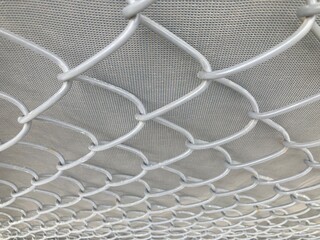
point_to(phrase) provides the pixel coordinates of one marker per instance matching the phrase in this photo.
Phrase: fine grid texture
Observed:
(159, 119)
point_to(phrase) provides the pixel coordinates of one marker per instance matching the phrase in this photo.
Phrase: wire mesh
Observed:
(70, 179)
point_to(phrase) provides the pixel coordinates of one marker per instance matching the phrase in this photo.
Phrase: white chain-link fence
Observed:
(69, 179)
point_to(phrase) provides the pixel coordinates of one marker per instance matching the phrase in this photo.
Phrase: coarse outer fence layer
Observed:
(144, 119)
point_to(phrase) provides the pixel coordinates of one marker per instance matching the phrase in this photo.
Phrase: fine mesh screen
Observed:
(144, 119)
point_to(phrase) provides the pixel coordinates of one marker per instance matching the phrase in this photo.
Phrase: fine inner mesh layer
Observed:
(153, 140)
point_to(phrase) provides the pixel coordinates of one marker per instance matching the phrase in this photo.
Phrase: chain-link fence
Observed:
(90, 158)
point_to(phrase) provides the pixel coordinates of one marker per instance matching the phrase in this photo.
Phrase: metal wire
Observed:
(263, 220)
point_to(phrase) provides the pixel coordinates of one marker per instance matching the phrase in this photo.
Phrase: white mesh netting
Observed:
(117, 123)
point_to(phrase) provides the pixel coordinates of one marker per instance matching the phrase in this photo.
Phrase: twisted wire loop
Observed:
(130, 216)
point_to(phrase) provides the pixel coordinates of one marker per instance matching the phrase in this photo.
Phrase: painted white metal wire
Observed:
(129, 216)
